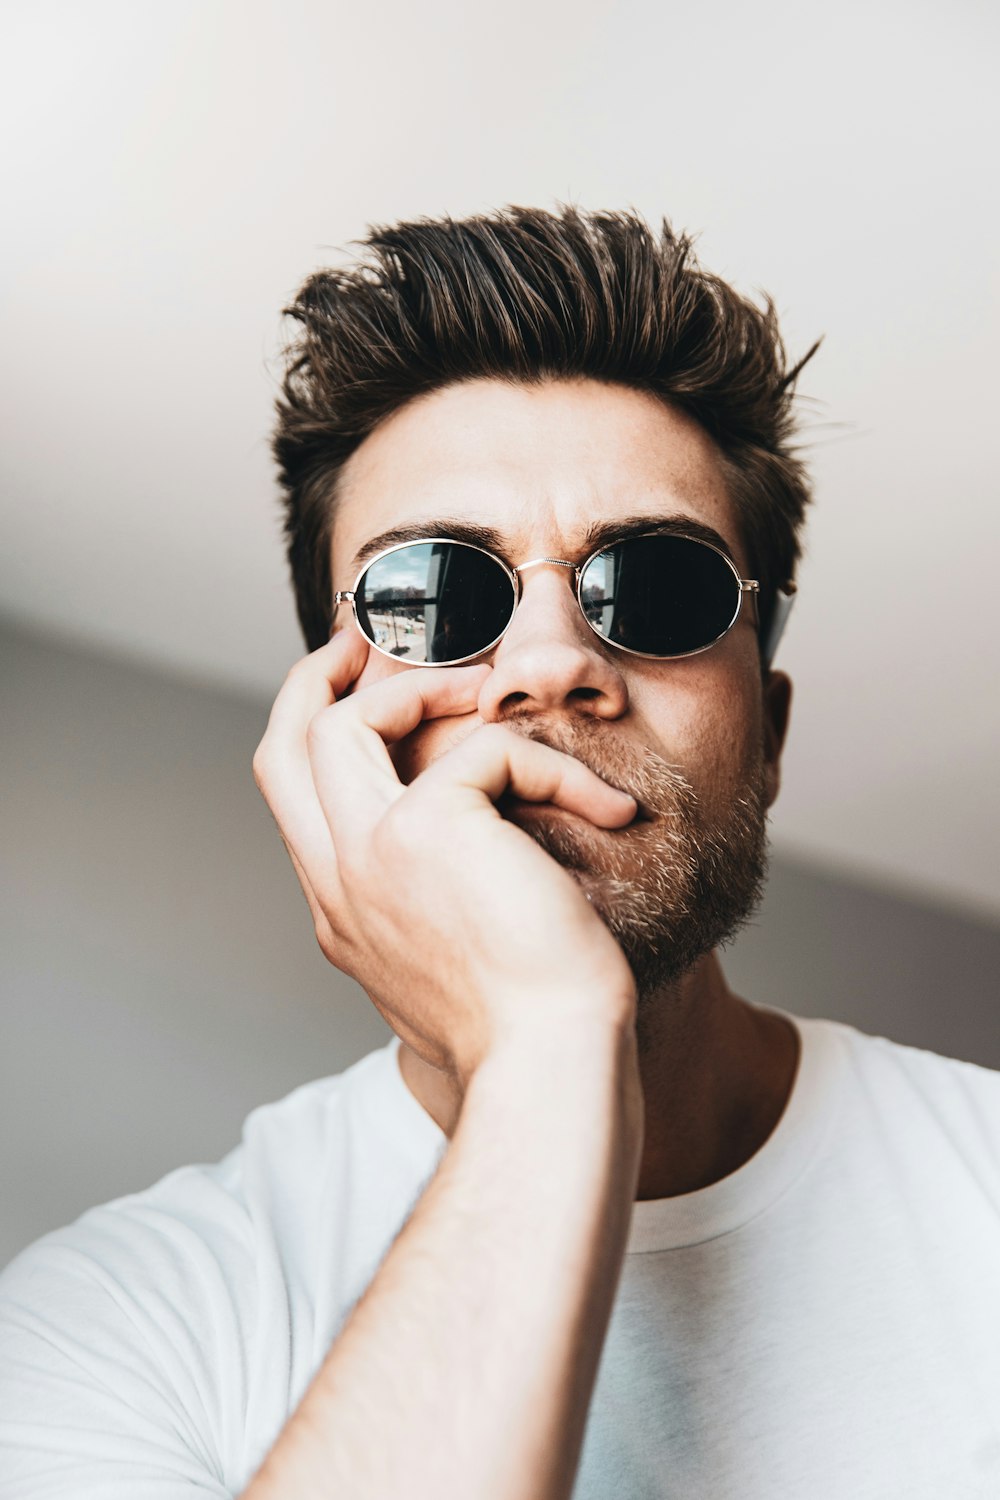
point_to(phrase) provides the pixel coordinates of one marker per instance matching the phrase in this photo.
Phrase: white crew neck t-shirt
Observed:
(822, 1324)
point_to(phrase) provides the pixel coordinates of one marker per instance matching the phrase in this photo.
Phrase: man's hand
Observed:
(485, 1322)
(463, 931)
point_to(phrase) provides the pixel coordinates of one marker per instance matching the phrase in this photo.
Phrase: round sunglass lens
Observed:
(434, 602)
(660, 595)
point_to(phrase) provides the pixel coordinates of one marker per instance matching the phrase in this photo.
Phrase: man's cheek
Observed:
(412, 754)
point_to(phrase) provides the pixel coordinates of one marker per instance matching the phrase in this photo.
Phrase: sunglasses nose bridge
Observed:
(554, 562)
(575, 571)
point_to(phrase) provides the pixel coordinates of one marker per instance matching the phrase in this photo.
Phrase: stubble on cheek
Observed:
(677, 881)
(657, 838)
(631, 875)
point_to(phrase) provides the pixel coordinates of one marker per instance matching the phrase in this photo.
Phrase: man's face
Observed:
(696, 740)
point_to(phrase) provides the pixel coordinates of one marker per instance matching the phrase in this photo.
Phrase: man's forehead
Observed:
(535, 469)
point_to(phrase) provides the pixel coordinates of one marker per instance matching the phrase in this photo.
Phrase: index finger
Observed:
(319, 679)
(352, 770)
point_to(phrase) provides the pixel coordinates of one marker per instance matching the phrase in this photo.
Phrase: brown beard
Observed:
(671, 886)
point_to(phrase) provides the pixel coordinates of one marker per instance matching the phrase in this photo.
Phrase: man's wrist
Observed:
(588, 1063)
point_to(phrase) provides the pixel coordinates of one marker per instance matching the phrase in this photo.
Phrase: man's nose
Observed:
(550, 658)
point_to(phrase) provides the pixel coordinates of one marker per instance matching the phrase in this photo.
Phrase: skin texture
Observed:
(540, 464)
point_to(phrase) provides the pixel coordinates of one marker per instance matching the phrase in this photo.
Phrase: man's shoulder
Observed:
(923, 1095)
(924, 1066)
(220, 1207)
(186, 1303)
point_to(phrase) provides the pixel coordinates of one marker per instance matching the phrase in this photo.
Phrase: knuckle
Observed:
(402, 829)
(353, 862)
(320, 729)
(516, 749)
(260, 765)
(495, 731)
(497, 737)
(326, 938)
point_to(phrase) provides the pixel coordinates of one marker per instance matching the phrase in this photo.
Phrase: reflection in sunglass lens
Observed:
(662, 595)
(434, 601)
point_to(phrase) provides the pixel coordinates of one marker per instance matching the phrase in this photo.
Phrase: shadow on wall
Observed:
(159, 970)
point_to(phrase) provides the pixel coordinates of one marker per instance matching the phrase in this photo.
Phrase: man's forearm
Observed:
(468, 1366)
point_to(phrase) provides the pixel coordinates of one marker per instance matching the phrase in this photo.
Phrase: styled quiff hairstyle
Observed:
(527, 295)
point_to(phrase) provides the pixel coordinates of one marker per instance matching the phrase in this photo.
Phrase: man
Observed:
(591, 1224)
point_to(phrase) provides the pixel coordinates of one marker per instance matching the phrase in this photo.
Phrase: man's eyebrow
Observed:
(598, 535)
(445, 528)
(605, 532)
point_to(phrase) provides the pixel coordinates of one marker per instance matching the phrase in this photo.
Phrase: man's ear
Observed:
(777, 690)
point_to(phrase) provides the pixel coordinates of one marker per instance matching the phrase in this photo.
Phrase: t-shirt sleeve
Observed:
(120, 1360)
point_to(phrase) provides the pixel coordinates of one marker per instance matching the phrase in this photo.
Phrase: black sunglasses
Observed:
(440, 603)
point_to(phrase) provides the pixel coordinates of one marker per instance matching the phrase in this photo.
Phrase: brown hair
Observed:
(524, 295)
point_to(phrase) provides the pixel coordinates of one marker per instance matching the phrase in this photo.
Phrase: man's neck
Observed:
(716, 1076)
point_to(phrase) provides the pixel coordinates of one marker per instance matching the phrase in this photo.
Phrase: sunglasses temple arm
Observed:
(783, 601)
